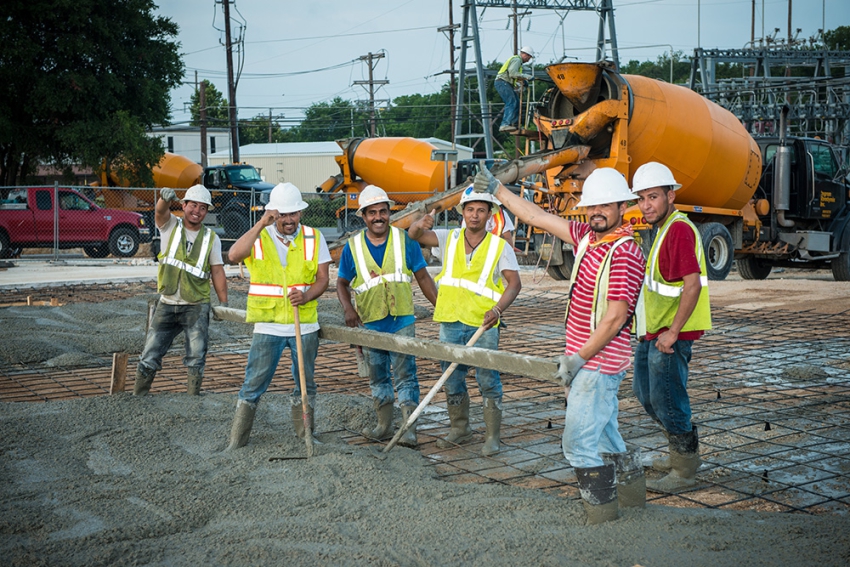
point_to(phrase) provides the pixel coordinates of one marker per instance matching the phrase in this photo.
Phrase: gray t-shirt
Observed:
(215, 254)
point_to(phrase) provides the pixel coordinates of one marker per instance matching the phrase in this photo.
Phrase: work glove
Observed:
(485, 182)
(568, 367)
(168, 194)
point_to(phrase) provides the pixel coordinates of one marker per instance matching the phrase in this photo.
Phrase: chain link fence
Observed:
(118, 222)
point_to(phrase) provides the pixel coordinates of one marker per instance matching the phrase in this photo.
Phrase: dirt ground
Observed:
(118, 480)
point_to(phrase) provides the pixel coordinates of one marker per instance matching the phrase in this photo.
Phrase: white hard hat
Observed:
(603, 186)
(286, 198)
(470, 194)
(653, 174)
(528, 50)
(199, 194)
(371, 195)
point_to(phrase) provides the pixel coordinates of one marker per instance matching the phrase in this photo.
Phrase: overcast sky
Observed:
(301, 52)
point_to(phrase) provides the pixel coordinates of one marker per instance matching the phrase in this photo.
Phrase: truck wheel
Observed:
(5, 245)
(718, 249)
(565, 270)
(235, 222)
(841, 265)
(124, 242)
(752, 268)
(100, 251)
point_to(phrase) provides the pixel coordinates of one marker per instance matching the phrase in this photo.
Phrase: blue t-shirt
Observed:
(415, 262)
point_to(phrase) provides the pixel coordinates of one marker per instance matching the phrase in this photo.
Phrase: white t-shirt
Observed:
(277, 329)
(507, 261)
(165, 232)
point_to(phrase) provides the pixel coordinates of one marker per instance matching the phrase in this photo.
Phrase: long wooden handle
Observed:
(302, 378)
(433, 392)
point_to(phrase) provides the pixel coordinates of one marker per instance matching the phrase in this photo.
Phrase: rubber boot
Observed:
(384, 429)
(662, 464)
(493, 422)
(194, 378)
(242, 424)
(459, 419)
(598, 487)
(144, 379)
(408, 439)
(297, 415)
(631, 481)
(684, 462)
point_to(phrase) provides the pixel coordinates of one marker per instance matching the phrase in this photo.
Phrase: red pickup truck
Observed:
(27, 221)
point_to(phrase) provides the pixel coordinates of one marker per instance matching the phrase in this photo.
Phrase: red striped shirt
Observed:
(626, 277)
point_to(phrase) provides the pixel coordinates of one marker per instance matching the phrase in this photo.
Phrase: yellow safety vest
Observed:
(268, 301)
(191, 270)
(498, 223)
(467, 292)
(384, 290)
(599, 306)
(661, 298)
(503, 70)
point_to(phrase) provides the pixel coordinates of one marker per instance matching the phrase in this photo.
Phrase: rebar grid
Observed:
(770, 393)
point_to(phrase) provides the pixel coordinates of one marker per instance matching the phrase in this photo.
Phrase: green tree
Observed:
(216, 105)
(256, 130)
(82, 81)
(327, 121)
(837, 39)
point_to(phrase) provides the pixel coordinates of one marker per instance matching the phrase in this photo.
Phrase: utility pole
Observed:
(270, 125)
(231, 86)
(371, 83)
(449, 31)
(202, 110)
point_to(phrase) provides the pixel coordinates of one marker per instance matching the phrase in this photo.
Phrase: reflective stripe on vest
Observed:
(599, 305)
(478, 287)
(662, 288)
(359, 254)
(197, 270)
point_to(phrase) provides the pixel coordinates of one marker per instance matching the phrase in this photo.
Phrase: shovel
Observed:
(308, 427)
(433, 392)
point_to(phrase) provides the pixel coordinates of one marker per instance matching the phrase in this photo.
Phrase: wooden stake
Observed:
(29, 300)
(119, 372)
(54, 302)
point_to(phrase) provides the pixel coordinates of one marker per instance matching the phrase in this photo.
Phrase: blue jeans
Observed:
(382, 365)
(264, 357)
(660, 384)
(489, 382)
(590, 425)
(511, 100)
(168, 322)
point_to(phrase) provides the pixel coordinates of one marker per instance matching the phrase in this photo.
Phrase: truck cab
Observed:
(238, 192)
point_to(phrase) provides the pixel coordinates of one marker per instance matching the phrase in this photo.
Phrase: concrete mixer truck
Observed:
(778, 201)
(236, 189)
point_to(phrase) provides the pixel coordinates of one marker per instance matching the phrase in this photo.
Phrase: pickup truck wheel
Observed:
(752, 268)
(124, 242)
(101, 251)
(5, 245)
(841, 265)
(718, 248)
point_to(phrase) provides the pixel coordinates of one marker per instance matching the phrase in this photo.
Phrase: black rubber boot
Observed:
(194, 379)
(493, 422)
(242, 424)
(144, 379)
(631, 481)
(408, 439)
(459, 419)
(384, 429)
(684, 462)
(598, 487)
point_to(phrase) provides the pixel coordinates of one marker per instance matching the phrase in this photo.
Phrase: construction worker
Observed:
(183, 280)
(500, 224)
(604, 287)
(509, 79)
(677, 311)
(377, 264)
(288, 263)
(479, 281)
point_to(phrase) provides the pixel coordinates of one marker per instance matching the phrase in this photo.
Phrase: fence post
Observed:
(55, 221)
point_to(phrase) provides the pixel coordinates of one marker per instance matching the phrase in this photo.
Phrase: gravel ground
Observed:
(118, 480)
